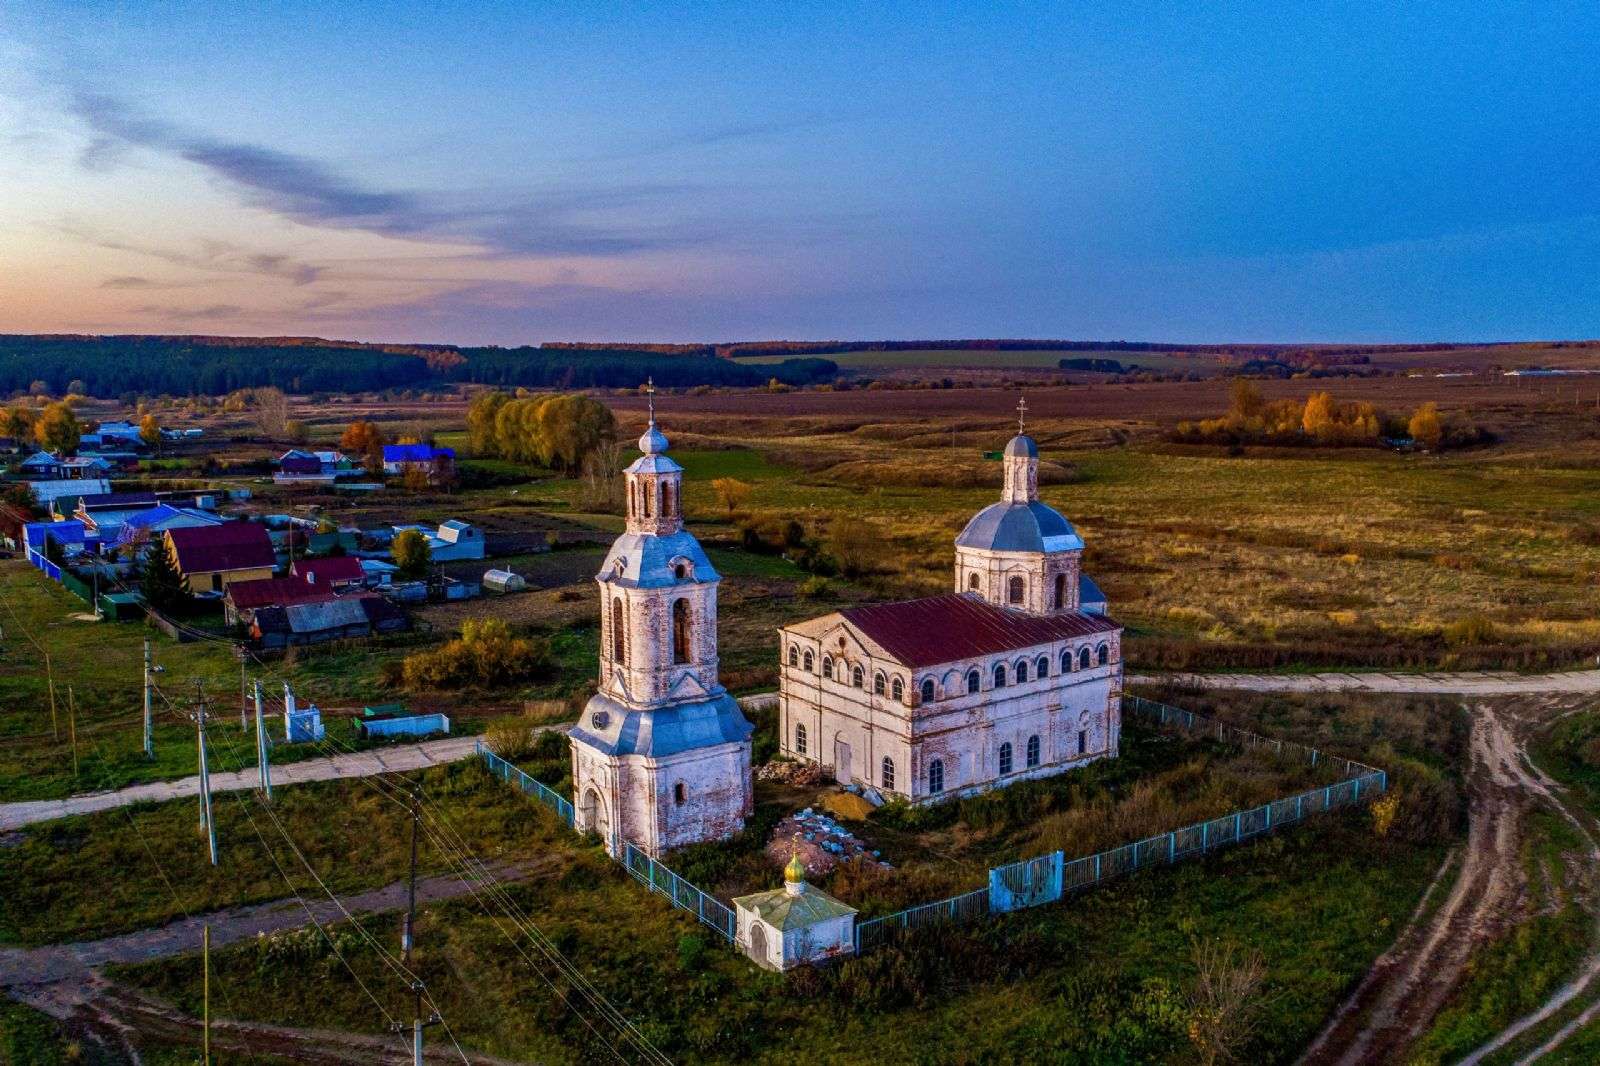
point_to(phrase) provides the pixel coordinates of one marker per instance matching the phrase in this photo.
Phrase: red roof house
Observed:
(212, 557)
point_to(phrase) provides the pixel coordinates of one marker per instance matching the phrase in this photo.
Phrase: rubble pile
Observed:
(821, 843)
(799, 774)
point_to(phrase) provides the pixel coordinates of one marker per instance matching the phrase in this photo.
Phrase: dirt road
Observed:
(65, 982)
(1477, 683)
(1479, 894)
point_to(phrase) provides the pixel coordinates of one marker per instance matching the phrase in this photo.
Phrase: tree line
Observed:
(560, 431)
(118, 366)
(1320, 419)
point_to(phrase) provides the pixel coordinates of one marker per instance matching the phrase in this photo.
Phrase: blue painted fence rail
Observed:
(513, 776)
(1046, 878)
(683, 895)
(644, 869)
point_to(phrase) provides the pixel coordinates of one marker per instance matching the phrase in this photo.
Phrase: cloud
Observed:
(577, 222)
(212, 256)
(207, 313)
(131, 281)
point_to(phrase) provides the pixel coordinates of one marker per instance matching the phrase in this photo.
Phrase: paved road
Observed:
(358, 764)
(1464, 684)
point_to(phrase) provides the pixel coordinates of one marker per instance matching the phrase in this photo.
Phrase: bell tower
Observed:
(661, 754)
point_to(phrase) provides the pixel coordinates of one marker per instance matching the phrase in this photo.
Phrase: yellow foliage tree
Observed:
(1426, 427)
(731, 492)
(58, 429)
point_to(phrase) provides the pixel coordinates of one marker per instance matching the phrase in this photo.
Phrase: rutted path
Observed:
(1479, 683)
(64, 980)
(396, 759)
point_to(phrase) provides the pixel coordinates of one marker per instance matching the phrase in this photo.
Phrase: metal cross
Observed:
(1022, 411)
(650, 396)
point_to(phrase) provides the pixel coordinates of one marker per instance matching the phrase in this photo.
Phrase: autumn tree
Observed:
(150, 431)
(272, 411)
(411, 553)
(854, 545)
(1317, 419)
(364, 439)
(481, 416)
(17, 422)
(1246, 400)
(1225, 1001)
(58, 429)
(569, 427)
(1426, 427)
(731, 492)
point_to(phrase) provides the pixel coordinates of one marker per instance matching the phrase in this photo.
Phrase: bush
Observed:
(486, 654)
(1472, 629)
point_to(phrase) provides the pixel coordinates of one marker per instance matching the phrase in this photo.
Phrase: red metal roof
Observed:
(329, 571)
(275, 592)
(230, 546)
(945, 629)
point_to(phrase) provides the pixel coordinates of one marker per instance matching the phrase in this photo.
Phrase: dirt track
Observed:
(1401, 996)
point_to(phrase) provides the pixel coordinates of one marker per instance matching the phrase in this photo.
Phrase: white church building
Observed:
(661, 754)
(1016, 674)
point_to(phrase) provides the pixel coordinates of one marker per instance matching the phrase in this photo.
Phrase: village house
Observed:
(212, 557)
(297, 466)
(440, 463)
(41, 466)
(340, 573)
(144, 527)
(242, 599)
(103, 513)
(661, 753)
(451, 541)
(340, 618)
(1017, 674)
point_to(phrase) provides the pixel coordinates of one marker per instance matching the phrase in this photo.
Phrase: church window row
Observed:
(1017, 673)
(681, 630)
(644, 503)
(1032, 755)
(1017, 589)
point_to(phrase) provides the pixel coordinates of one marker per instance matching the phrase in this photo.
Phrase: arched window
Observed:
(999, 675)
(972, 582)
(1022, 671)
(1083, 657)
(794, 655)
(1066, 661)
(936, 776)
(1033, 750)
(811, 664)
(1041, 668)
(897, 690)
(880, 684)
(827, 667)
(1061, 591)
(974, 681)
(679, 794)
(927, 690)
(680, 631)
(648, 491)
(857, 677)
(1014, 590)
(680, 571)
(1005, 758)
(888, 772)
(1102, 654)
(619, 632)
(666, 499)
(800, 738)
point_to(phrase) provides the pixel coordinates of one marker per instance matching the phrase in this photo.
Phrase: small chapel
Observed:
(1015, 674)
(661, 753)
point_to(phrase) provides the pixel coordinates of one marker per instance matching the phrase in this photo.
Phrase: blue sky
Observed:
(515, 173)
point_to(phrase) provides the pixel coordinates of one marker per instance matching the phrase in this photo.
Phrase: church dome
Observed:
(795, 872)
(1022, 447)
(654, 442)
(1020, 527)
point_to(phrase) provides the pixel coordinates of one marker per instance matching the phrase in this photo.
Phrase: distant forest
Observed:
(182, 366)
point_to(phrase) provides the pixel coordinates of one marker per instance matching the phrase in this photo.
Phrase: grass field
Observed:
(1029, 358)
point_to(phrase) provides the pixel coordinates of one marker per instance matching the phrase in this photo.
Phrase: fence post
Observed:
(1172, 848)
(1238, 826)
(1097, 864)
(1355, 796)
(1298, 800)
(1205, 836)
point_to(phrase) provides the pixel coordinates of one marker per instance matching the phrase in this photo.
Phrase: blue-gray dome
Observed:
(1022, 445)
(654, 442)
(1020, 527)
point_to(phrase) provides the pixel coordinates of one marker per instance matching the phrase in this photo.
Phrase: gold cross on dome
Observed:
(649, 391)
(1022, 412)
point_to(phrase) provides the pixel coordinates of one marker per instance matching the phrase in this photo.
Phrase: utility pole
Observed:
(72, 729)
(408, 939)
(206, 821)
(205, 995)
(263, 765)
(50, 675)
(149, 729)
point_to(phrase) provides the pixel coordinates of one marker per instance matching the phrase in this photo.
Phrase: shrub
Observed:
(1471, 629)
(486, 654)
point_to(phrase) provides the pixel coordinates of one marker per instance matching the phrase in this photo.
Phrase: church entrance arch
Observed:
(841, 761)
(758, 944)
(593, 809)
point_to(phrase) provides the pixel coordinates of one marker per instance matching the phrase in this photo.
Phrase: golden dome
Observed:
(795, 872)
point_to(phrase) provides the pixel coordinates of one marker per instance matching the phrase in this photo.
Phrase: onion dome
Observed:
(795, 872)
(654, 442)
